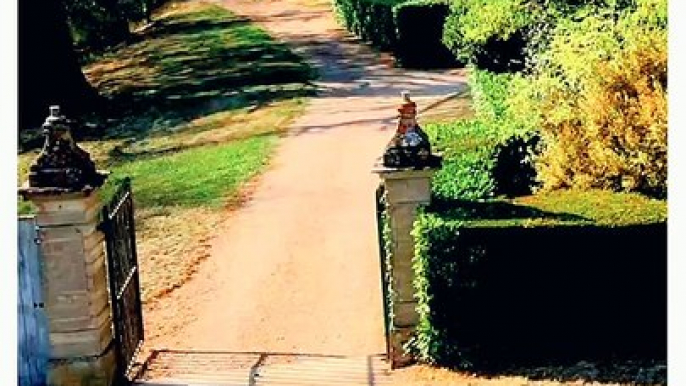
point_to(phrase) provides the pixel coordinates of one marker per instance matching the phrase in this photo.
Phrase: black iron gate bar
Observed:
(124, 280)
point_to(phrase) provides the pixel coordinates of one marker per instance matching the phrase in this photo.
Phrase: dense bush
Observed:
(599, 96)
(493, 285)
(489, 32)
(467, 148)
(481, 161)
(412, 30)
(419, 27)
(490, 154)
(497, 34)
(491, 296)
(371, 20)
(595, 92)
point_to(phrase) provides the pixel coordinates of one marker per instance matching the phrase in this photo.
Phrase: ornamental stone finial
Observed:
(62, 165)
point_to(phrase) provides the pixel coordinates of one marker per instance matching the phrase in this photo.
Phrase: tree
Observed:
(49, 70)
(98, 24)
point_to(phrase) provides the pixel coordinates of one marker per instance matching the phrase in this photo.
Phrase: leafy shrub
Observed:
(494, 296)
(412, 30)
(371, 20)
(467, 159)
(491, 154)
(489, 33)
(497, 34)
(481, 161)
(419, 26)
(513, 170)
(599, 93)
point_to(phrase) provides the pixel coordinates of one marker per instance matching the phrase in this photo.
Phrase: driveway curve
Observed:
(296, 268)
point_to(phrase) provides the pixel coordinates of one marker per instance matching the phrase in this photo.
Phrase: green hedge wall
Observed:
(419, 27)
(411, 30)
(371, 20)
(490, 296)
(467, 147)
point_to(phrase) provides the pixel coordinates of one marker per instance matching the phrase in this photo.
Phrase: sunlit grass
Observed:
(198, 177)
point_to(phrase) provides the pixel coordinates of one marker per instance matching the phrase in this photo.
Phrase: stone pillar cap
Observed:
(404, 172)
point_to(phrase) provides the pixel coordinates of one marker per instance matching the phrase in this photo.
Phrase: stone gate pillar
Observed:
(405, 169)
(405, 190)
(63, 184)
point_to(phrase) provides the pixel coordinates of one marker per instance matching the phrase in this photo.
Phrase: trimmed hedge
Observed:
(492, 297)
(467, 147)
(371, 20)
(412, 30)
(419, 27)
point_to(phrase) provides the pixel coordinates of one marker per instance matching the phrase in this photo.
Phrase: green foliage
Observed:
(596, 94)
(419, 27)
(599, 95)
(478, 288)
(412, 30)
(431, 342)
(491, 93)
(98, 24)
(471, 147)
(489, 31)
(387, 266)
(371, 20)
(467, 150)
(496, 34)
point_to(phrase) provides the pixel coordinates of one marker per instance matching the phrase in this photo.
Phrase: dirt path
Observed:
(296, 269)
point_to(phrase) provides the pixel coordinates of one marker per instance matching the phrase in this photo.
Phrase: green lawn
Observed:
(198, 177)
(196, 105)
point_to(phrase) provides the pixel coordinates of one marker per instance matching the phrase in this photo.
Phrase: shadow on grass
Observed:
(190, 65)
(182, 25)
(497, 210)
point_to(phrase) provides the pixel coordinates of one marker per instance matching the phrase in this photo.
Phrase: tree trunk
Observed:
(49, 71)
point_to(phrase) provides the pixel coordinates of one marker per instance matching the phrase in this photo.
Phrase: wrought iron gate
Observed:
(384, 266)
(122, 263)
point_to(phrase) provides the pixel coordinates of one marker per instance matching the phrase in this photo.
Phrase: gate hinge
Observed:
(38, 240)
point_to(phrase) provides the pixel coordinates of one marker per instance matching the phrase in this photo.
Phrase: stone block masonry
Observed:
(405, 190)
(75, 289)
